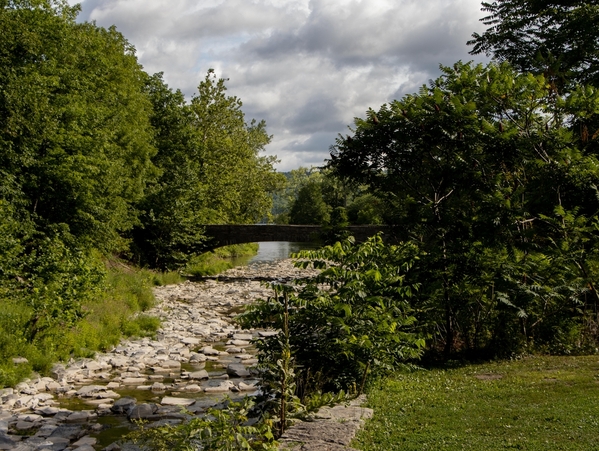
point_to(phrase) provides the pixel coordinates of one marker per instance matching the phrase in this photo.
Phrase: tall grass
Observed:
(116, 311)
(220, 259)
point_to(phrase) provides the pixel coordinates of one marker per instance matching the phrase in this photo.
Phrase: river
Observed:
(271, 251)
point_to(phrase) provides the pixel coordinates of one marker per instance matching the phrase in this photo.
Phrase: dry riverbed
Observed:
(197, 357)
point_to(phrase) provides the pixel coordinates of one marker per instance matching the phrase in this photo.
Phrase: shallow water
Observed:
(270, 251)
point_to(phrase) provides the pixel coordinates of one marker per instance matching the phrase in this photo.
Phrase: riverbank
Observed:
(197, 356)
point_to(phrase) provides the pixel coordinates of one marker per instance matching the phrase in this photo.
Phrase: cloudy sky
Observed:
(307, 67)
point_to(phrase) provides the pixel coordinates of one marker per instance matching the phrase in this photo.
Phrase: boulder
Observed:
(193, 388)
(67, 432)
(237, 370)
(220, 387)
(209, 350)
(133, 380)
(241, 343)
(195, 357)
(85, 448)
(123, 405)
(158, 386)
(6, 443)
(82, 416)
(171, 364)
(201, 374)
(86, 440)
(144, 412)
(89, 390)
(48, 411)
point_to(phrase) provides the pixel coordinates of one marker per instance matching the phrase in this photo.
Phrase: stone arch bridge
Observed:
(224, 235)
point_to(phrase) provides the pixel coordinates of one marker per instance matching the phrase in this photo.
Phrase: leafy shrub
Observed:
(221, 429)
(351, 322)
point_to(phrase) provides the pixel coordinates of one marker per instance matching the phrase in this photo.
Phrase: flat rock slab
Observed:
(322, 432)
(66, 432)
(171, 401)
(201, 374)
(237, 370)
(333, 429)
(87, 440)
(133, 380)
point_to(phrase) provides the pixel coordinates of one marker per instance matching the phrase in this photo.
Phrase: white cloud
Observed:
(307, 67)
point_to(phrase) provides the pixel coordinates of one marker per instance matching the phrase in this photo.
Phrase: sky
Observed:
(307, 67)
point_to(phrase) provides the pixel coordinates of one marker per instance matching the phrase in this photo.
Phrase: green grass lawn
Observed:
(537, 403)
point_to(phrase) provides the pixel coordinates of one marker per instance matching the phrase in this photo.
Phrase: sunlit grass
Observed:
(537, 403)
(219, 260)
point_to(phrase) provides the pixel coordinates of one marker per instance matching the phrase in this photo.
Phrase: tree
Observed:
(472, 166)
(211, 171)
(556, 38)
(309, 207)
(238, 179)
(74, 129)
(75, 148)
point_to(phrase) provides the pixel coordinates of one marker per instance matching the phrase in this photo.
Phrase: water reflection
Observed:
(279, 250)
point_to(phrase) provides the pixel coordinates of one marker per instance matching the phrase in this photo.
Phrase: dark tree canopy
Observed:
(484, 171)
(559, 39)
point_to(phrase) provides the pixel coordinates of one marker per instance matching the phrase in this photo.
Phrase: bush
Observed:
(221, 429)
(351, 322)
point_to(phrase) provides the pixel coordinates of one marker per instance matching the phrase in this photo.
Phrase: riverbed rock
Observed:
(237, 370)
(209, 350)
(198, 375)
(158, 387)
(83, 416)
(68, 432)
(219, 387)
(195, 316)
(123, 405)
(241, 343)
(172, 401)
(85, 440)
(48, 411)
(6, 443)
(133, 380)
(144, 412)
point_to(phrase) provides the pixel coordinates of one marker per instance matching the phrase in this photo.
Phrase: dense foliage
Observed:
(312, 197)
(99, 158)
(210, 171)
(223, 428)
(556, 38)
(486, 170)
(350, 322)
